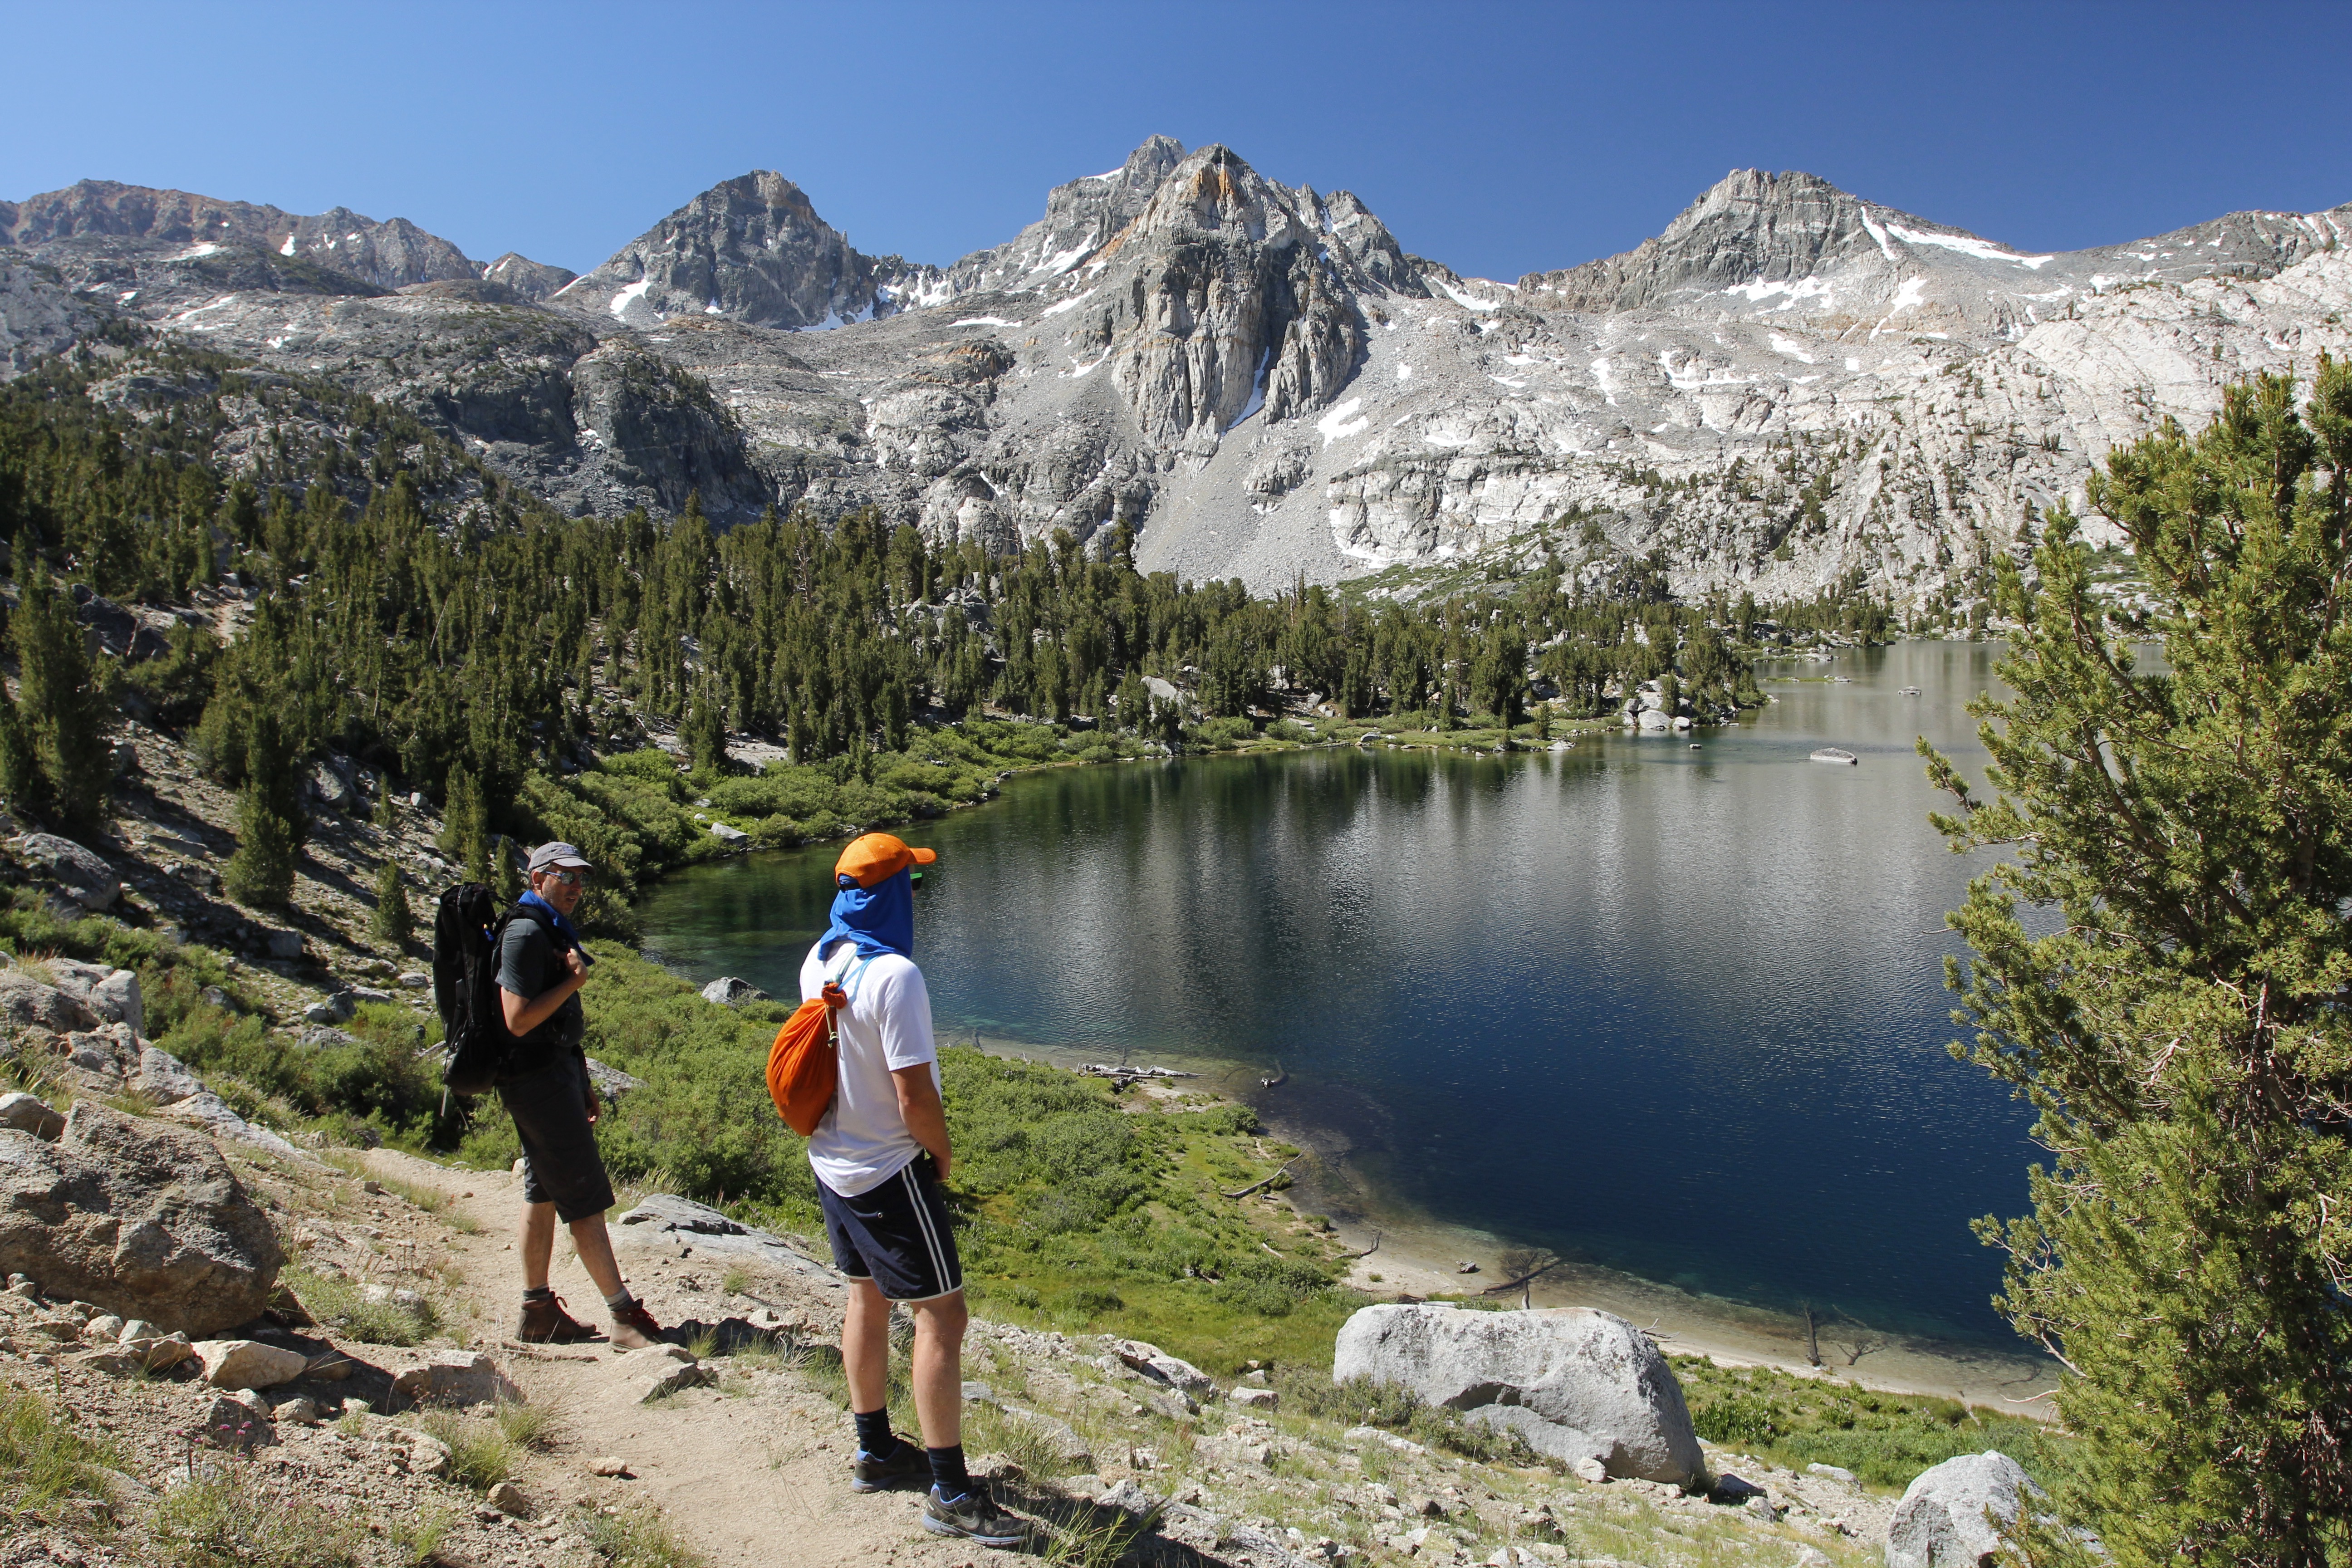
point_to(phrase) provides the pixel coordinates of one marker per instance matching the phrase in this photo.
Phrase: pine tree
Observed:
(22, 783)
(61, 705)
(2182, 1027)
(704, 734)
(392, 921)
(466, 827)
(269, 833)
(508, 867)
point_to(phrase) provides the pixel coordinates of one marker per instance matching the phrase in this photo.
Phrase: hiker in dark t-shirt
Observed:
(546, 1088)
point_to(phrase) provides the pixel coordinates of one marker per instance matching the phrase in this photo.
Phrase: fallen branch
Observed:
(1270, 1181)
(1368, 1251)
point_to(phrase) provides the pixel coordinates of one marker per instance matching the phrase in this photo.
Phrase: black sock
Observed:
(873, 1438)
(947, 1472)
(539, 1293)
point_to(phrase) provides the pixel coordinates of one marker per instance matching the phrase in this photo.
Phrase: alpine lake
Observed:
(1671, 1004)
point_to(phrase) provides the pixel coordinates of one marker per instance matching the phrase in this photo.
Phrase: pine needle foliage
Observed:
(2182, 1026)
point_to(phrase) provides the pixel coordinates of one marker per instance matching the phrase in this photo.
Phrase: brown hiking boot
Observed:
(634, 1328)
(545, 1322)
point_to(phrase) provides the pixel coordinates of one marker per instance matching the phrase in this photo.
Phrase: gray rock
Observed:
(1590, 1372)
(110, 995)
(335, 1009)
(1161, 1367)
(84, 875)
(1951, 1515)
(164, 1077)
(320, 1037)
(28, 1114)
(456, 1377)
(1569, 1446)
(330, 789)
(28, 1002)
(210, 1113)
(144, 1219)
(284, 944)
(416, 980)
(726, 991)
(610, 1081)
(234, 1424)
(249, 1363)
(727, 833)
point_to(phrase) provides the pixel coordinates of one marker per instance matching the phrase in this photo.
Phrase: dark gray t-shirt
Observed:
(528, 965)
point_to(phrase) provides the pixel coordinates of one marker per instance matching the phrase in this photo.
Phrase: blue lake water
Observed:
(1674, 1012)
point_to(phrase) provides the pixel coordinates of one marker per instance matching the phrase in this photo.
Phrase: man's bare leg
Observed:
(536, 1242)
(939, 1369)
(866, 1346)
(594, 1243)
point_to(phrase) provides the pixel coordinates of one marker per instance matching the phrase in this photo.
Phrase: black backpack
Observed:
(466, 929)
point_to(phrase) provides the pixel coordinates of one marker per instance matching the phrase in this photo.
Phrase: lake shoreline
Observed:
(1407, 1256)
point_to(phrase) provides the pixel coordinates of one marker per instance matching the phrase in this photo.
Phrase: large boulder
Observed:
(727, 990)
(84, 875)
(1952, 1516)
(111, 996)
(1593, 1378)
(27, 1002)
(142, 1219)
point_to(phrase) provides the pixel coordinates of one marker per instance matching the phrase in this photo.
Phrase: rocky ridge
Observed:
(1790, 386)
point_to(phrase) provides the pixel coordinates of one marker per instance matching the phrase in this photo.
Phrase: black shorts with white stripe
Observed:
(896, 1234)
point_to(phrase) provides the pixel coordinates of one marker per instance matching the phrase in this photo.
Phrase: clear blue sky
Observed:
(1497, 138)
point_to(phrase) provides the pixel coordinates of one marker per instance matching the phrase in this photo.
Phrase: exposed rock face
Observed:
(1942, 1520)
(141, 1219)
(1594, 1379)
(26, 1002)
(109, 996)
(1789, 385)
(529, 279)
(751, 249)
(385, 254)
(1749, 226)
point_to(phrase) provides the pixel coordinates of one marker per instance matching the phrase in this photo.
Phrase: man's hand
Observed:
(919, 1108)
(524, 1014)
(596, 1102)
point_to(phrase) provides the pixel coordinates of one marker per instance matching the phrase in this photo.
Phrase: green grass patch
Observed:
(481, 1454)
(1885, 1439)
(636, 1537)
(44, 1461)
(224, 1521)
(343, 1304)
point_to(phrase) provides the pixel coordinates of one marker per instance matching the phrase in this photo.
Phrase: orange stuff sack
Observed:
(805, 1064)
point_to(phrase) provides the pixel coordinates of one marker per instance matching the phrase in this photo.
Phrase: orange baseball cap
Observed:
(877, 857)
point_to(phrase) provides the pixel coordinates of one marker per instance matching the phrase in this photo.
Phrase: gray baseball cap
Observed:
(547, 856)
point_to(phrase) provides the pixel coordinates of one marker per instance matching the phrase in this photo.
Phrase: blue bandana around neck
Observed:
(877, 920)
(566, 936)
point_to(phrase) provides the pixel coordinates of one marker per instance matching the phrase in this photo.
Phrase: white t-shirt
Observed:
(863, 1141)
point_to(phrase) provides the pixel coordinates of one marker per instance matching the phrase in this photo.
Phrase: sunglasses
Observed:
(568, 878)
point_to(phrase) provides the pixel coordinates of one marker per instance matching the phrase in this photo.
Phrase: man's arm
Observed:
(524, 1016)
(919, 1105)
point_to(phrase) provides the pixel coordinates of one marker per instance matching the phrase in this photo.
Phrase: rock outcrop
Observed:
(144, 1220)
(82, 874)
(1951, 1516)
(1575, 1381)
(1789, 385)
(751, 249)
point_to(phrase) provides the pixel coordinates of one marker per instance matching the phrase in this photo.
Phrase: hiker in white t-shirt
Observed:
(880, 1156)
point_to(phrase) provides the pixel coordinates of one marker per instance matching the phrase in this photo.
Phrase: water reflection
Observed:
(1674, 1011)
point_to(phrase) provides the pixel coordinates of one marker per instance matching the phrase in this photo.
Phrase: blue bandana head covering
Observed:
(878, 920)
